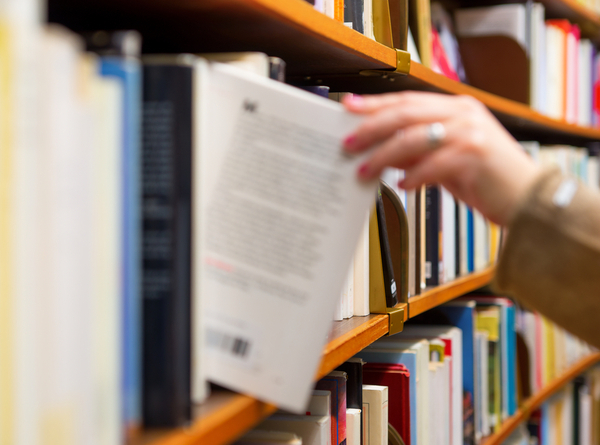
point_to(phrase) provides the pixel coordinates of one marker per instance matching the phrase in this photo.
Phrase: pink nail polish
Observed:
(363, 171)
(401, 184)
(349, 141)
(356, 100)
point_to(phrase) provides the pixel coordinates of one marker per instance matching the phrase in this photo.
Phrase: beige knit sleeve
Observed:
(551, 259)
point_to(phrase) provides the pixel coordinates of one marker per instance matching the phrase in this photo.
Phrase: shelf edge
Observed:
(535, 401)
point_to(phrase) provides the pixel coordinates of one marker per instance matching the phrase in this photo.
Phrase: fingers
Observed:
(401, 110)
(405, 148)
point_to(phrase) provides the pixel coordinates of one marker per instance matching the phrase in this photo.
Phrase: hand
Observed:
(477, 160)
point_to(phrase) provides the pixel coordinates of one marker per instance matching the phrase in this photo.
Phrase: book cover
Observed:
(336, 384)
(353, 368)
(253, 251)
(375, 414)
(396, 378)
(166, 205)
(354, 14)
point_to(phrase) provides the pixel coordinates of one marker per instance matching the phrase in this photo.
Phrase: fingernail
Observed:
(350, 141)
(355, 100)
(401, 183)
(364, 171)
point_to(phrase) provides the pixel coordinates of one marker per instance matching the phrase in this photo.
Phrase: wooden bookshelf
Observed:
(433, 297)
(316, 48)
(535, 401)
(308, 41)
(226, 415)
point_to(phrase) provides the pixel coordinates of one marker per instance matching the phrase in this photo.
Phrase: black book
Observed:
(166, 209)
(457, 240)
(354, 13)
(354, 369)
(432, 234)
(391, 297)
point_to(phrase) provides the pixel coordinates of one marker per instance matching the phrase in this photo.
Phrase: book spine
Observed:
(354, 14)
(432, 229)
(166, 154)
(128, 71)
(386, 256)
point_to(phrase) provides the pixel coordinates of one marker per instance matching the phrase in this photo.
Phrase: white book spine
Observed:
(353, 421)
(361, 273)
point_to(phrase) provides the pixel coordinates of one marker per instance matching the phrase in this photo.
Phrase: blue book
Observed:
(470, 241)
(512, 357)
(120, 59)
(462, 315)
(407, 358)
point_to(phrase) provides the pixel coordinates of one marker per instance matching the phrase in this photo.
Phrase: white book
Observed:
(421, 348)
(537, 50)
(585, 96)
(555, 60)
(481, 241)
(368, 19)
(448, 235)
(329, 8)
(412, 48)
(350, 292)
(106, 280)
(353, 421)
(289, 246)
(375, 415)
(454, 335)
(314, 430)
(506, 20)
(361, 273)
(66, 212)
(319, 404)
(263, 437)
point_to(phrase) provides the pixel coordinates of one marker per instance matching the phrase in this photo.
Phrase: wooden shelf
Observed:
(309, 42)
(520, 119)
(438, 295)
(315, 47)
(536, 400)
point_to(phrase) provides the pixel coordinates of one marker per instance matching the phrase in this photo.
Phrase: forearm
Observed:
(551, 260)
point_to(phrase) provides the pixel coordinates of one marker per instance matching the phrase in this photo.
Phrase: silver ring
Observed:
(436, 132)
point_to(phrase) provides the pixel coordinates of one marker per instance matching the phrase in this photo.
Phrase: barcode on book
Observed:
(237, 346)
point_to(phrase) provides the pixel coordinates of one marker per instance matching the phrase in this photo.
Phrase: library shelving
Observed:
(536, 400)
(317, 50)
(226, 414)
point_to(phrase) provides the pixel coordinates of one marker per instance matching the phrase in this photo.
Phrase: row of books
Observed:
(578, 162)
(446, 240)
(570, 416)
(70, 295)
(546, 64)
(450, 383)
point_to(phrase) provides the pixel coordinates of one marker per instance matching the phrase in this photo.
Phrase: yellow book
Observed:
(6, 304)
(487, 319)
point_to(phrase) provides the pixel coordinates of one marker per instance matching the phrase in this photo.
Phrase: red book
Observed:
(396, 378)
(335, 383)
